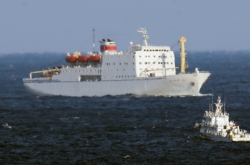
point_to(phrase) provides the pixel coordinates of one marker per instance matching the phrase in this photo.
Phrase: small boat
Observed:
(93, 58)
(82, 58)
(71, 59)
(217, 127)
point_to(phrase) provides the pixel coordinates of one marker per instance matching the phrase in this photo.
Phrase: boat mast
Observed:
(93, 40)
(182, 41)
(144, 36)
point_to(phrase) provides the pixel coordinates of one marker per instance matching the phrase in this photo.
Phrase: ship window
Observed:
(154, 56)
(139, 62)
(153, 62)
(120, 63)
(171, 63)
(139, 56)
(148, 62)
(145, 62)
(114, 63)
(133, 63)
(159, 63)
(140, 69)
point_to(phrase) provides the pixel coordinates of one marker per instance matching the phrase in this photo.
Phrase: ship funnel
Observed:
(107, 45)
(182, 41)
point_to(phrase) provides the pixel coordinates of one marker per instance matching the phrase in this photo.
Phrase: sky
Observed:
(63, 26)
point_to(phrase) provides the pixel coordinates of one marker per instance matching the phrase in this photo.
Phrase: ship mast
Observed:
(93, 40)
(182, 41)
(144, 36)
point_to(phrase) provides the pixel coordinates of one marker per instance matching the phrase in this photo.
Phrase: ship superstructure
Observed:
(216, 126)
(141, 70)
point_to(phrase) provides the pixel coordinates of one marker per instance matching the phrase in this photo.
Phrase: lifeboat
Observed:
(93, 58)
(83, 58)
(71, 59)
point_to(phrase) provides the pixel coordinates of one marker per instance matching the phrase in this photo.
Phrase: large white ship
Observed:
(141, 70)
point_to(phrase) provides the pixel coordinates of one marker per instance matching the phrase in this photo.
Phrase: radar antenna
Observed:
(144, 36)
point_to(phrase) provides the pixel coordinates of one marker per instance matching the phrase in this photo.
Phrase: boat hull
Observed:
(216, 138)
(174, 85)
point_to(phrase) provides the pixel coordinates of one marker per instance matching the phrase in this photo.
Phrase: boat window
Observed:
(153, 62)
(145, 62)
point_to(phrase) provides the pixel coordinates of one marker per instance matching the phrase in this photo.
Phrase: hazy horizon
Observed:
(66, 26)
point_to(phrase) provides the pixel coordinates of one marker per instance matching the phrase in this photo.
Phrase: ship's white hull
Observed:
(226, 139)
(174, 85)
(216, 138)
